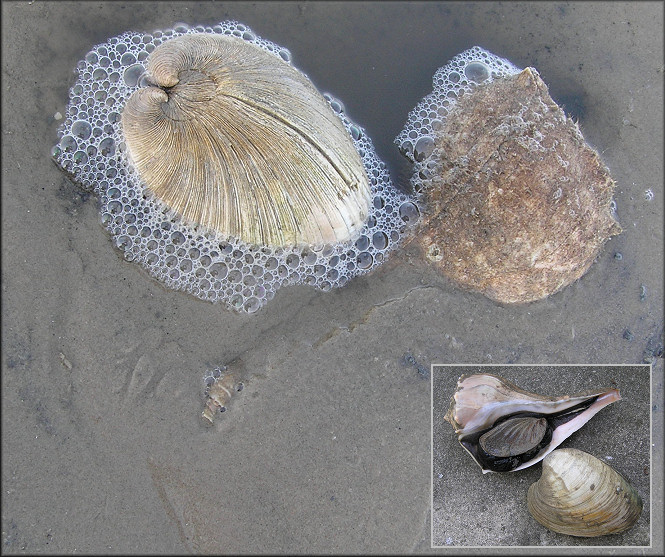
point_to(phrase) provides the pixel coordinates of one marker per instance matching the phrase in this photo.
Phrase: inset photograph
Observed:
(541, 455)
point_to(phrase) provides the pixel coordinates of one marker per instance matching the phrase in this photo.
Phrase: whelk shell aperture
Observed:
(231, 138)
(516, 205)
(505, 428)
(221, 170)
(580, 495)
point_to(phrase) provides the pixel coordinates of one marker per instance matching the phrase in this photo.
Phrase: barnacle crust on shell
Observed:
(230, 138)
(515, 204)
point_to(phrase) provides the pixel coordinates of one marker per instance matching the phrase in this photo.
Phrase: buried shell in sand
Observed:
(222, 170)
(221, 384)
(516, 205)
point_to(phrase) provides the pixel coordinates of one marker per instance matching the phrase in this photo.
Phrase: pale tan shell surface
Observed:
(580, 495)
(232, 138)
(222, 171)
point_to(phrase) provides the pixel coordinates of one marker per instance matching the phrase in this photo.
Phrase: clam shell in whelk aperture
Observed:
(222, 170)
(580, 495)
(514, 437)
(515, 204)
(505, 428)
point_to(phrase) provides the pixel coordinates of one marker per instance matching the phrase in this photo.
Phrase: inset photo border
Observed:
(475, 509)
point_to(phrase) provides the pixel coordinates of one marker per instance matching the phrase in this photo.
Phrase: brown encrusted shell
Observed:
(521, 204)
(232, 138)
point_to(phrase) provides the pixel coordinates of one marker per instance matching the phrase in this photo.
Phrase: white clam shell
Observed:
(580, 495)
(231, 138)
(222, 171)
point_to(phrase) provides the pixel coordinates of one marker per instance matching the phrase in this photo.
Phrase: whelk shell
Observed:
(515, 204)
(580, 495)
(505, 428)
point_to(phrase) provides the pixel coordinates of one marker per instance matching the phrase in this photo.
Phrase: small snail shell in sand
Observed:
(221, 385)
(505, 428)
(580, 495)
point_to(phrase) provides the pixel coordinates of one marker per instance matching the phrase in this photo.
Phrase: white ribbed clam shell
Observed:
(230, 137)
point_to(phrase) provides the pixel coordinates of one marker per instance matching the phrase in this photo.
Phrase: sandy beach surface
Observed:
(328, 447)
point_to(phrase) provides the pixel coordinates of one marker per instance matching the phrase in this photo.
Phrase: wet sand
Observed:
(327, 449)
